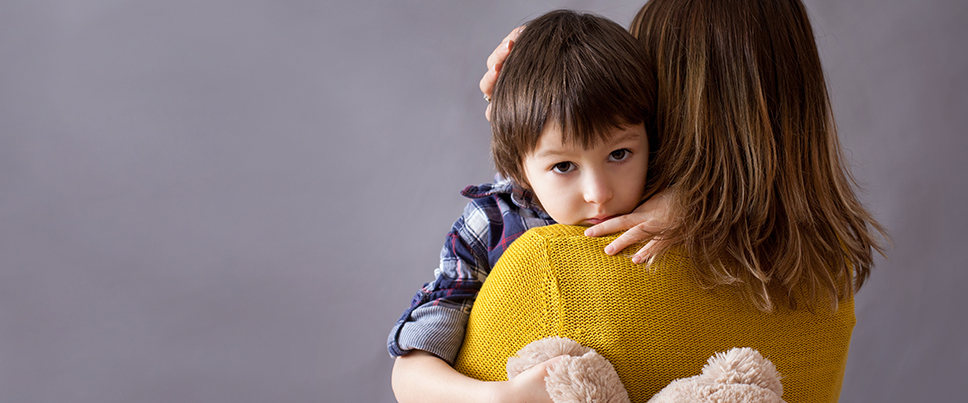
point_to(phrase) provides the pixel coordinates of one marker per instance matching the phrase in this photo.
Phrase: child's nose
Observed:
(597, 189)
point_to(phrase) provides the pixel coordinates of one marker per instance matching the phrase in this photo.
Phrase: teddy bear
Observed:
(582, 375)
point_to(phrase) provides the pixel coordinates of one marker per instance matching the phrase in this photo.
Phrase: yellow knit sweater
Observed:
(655, 325)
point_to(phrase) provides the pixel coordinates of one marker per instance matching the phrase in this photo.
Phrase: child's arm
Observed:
(438, 314)
(422, 377)
(428, 336)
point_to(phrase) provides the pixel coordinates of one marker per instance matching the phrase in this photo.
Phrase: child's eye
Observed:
(619, 155)
(563, 167)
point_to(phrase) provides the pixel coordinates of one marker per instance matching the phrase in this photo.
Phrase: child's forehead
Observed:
(554, 140)
(553, 133)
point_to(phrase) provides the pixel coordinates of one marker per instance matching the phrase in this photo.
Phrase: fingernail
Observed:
(636, 259)
(609, 250)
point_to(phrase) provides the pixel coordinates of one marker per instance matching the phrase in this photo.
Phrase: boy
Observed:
(569, 117)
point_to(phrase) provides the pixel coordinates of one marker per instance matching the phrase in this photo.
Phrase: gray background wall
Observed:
(233, 200)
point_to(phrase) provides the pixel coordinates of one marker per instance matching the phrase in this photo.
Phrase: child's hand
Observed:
(649, 218)
(494, 63)
(527, 387)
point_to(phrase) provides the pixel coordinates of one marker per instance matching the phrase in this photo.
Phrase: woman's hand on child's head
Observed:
(527, 387)
(494, 63)
(649, 218)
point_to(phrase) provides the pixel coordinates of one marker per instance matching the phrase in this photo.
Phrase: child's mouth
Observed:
(598, 220)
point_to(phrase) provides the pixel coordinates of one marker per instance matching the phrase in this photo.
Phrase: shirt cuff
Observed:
(434, 329)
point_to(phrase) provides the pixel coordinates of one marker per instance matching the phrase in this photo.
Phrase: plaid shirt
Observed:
(437, 318)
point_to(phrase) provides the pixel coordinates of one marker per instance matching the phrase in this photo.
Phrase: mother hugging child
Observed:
(706, 132)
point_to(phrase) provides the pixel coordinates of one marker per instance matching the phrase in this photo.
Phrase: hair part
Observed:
(763, 198)
(579, 71)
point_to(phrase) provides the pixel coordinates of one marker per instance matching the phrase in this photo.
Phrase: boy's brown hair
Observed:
(763, 198)
(582, 72)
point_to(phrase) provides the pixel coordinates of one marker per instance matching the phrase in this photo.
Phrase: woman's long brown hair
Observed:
(762, 196)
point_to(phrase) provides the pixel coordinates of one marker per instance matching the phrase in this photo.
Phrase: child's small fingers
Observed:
(648, 251)
(623, 241)
(634, 235)
(610, 226)
(643, 254)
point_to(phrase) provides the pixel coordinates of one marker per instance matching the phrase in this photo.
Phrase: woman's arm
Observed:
(494, 63)
(424, 378)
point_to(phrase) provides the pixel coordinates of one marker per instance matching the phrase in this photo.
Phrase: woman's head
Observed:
(740, 79)
(750, 147)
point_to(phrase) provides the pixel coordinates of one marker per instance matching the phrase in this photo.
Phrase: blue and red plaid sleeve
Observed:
(437, 317)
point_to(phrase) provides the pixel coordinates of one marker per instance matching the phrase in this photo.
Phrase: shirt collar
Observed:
(520, 196)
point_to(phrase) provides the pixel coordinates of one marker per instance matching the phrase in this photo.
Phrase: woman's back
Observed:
(655, 325)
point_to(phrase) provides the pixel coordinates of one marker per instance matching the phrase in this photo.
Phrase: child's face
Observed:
(579, 186)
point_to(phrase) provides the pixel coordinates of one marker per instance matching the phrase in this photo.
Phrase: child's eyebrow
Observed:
(553, 153)
(627, 135)
(564, 150)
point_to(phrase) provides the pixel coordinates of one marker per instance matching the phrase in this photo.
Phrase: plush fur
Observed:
(584, 376)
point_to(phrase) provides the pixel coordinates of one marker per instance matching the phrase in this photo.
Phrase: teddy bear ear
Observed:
(744, 365)
(588, 378)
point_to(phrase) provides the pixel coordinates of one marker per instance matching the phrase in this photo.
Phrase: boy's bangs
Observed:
(587, 119)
